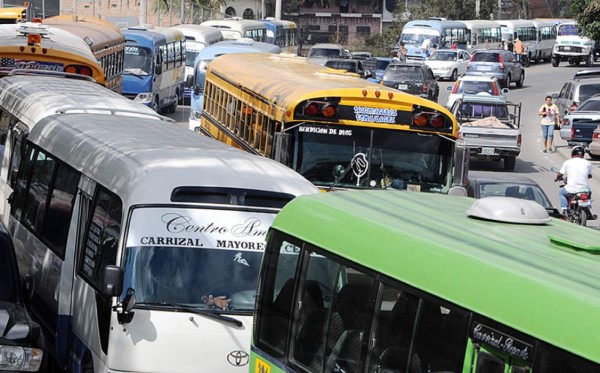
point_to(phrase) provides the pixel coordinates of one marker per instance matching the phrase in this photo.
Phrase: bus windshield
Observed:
(193, 256)
(138, 61)
(192, 48)
(370, 158)
(414, 37)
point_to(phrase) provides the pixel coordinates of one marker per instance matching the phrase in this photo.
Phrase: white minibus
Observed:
(483, 34)
(138, 242)
(237, 28)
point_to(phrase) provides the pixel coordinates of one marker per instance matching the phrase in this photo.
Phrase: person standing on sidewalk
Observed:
(519, 49)
(550, 116)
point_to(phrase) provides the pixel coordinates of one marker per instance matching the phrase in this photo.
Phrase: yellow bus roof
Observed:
(101, 34)
(12, 12)
(288, 80)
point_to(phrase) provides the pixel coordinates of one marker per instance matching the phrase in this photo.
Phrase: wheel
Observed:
(508, 81)
(510, 162)
(154, 104)
(521, 80)
(582, 216)
(589, 60)
(173, 107)
(454, 75)
(555, 62)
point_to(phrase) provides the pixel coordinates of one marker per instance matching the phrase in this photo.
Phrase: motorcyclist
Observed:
(576, 171)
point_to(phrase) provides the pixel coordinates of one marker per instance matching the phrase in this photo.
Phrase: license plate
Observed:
(402, 86)
(585, 203)
(488, 151)
(484, 68)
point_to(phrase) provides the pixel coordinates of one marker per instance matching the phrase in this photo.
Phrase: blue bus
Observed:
(206, 55)
(154, 72)
(438, 31)
(282, 33)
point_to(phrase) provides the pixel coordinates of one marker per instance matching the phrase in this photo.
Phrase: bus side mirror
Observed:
(158, 69)
(189, 81)
(198, 89)
(112, 285)
(280, 150)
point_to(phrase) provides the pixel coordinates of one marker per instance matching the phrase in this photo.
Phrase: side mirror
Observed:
(197, 89)
(189, 81)
(158, 69)
(112, 285)
(554, 96)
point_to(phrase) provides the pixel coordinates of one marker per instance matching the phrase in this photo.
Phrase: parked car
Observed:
(472, 84)
(321, 52)
(448, 63)
(491, 184)
(577, 126)
(414, 78)
(498, 63)
(573, 93)
(594, 149)
(350, 65)
(22, 345)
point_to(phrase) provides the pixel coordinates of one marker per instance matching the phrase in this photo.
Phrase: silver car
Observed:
(448, 63)
(498, 63)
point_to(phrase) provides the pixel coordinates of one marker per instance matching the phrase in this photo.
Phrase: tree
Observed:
(587, 14)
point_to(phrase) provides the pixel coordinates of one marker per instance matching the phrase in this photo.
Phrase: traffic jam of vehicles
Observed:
(148, 175)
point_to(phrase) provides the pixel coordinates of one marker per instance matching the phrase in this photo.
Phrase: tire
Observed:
(173, 107)
(154, 104)
(510, 162)
(589, 60)
(508, 81)
(521, 80)
(555, 62)
(454, 75)
(582, 217)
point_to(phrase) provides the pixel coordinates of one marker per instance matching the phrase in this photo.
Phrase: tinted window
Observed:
(486, 57)
(342, 65)
(382, 64)
(590, 105)
(476, 87)
(588, 90)
(403, 72)
(524, 191)
(320, 52)
(553, 360)
(443, 56)
(35, 202)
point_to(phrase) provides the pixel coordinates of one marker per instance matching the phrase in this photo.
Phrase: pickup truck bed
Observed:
(489, 127)
(578, 127)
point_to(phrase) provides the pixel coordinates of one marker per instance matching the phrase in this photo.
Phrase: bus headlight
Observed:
(143, 98)
(23, 359)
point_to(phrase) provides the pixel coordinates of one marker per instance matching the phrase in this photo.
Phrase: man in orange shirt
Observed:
(518, 48)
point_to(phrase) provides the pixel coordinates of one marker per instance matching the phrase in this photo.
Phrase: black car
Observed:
(21, 341)
(491, 184)
(414, 78)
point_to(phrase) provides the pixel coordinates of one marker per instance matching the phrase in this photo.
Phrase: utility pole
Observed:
(277, 9)
(144, 12)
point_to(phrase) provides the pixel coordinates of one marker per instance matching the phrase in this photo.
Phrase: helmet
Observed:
(577, 151)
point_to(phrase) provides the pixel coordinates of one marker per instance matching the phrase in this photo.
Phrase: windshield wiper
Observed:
(341, 176)
(194, 310)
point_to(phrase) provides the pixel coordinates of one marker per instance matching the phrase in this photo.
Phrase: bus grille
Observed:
(566, 48)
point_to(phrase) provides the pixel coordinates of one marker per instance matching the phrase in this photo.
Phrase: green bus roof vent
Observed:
(509, 210)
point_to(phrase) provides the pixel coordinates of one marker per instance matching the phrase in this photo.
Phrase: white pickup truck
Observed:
(489, 126)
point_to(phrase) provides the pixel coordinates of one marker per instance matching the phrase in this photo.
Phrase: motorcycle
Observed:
(578, 205)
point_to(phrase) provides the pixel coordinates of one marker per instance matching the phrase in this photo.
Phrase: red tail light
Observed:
(596, 135)
(572, 132)
(469, 63)
(495, 88)
(501, 62)
(519, 139)
(455, 88)
(425, 87)
(583, 196)
(573, 106)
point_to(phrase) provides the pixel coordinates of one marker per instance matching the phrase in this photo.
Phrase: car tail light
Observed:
(519, 139)
(455, 88)
(574, 106)
(596, 135)
(495, 89)
(425, 87)
(469, 63)
(501, 62)
(572, 132)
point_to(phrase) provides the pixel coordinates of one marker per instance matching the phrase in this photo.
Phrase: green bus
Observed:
(386, 282)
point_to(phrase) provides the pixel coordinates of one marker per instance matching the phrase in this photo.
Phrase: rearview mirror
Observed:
(112, 284)
(189, 81)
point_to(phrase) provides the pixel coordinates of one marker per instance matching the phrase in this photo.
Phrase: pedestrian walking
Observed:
(519, 49)
(550, 117)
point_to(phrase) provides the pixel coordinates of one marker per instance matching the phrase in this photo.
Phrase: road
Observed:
(540, 80)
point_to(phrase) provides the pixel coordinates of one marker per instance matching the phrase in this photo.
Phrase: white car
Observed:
(471, 84)
(448, 63)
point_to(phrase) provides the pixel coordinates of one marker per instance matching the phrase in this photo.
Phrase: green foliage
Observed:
(587, 14)
(380, 45)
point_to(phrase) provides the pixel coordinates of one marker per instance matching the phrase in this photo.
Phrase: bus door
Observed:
(12, 137)
(494, 349)
(98, 235)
